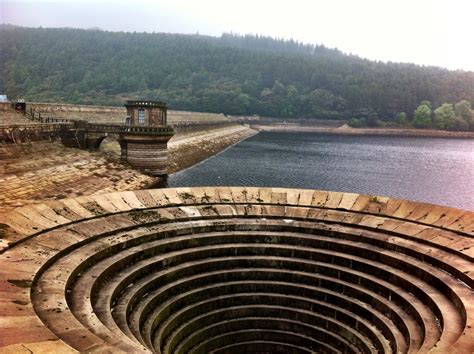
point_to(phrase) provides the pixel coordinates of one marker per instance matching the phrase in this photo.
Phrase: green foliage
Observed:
(458, 124)
(444, 116)
(401, 119)
(357, 122)
(422, 116)
(463, 117)
(373, 120)
(231, 74)
(458, 117)
(426, 103)
(463, 110)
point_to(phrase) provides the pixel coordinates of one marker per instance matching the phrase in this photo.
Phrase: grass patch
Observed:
(144, 216)
(375, 199)
(185, 195)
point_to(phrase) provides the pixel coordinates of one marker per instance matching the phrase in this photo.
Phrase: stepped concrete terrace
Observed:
(236, 269)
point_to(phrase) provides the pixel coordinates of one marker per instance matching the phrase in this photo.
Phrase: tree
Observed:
(422, 116)
(324, 104)
(426, 103)
(291, 91)
(192, 72)
(279, 89)
(357, 122)
(373, 120)
(458, 124)
(444, 116)
(401, 118)
(463, 110)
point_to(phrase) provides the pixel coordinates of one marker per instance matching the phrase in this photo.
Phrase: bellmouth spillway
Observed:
(237, 269)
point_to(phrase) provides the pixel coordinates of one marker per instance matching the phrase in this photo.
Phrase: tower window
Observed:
(141, 117)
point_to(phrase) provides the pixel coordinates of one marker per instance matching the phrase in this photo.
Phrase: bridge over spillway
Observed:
(143, 138)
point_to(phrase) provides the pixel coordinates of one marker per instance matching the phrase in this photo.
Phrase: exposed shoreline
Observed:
(345, 130)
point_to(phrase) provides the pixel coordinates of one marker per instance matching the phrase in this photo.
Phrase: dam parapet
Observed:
(182, 121)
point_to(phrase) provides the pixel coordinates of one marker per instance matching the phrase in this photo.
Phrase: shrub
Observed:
(357, 122)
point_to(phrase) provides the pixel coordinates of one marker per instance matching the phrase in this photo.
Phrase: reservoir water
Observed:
(432, 170)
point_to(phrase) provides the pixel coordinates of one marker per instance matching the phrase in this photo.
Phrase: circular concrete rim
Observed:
(23, 250)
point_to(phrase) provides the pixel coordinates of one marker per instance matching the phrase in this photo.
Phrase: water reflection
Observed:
(435, 170)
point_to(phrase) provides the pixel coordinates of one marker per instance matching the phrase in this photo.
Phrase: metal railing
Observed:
(37, 117)
(121, 128)
(100, 127)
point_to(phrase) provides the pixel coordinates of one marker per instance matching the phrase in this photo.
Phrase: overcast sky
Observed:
(427, 32)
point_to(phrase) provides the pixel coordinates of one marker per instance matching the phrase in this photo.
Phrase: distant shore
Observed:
(346, 130)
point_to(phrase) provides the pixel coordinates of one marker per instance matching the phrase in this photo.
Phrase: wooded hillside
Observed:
(231, 74)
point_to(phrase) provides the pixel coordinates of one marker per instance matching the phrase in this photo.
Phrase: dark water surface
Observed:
(433, 170)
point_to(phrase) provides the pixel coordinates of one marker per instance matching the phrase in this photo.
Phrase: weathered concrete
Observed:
(221, 269)
(143, 147)
(148, 153)
(116, 115)
(40, 171)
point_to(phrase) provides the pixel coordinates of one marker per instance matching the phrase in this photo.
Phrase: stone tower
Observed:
(144, 142)
(143, 138)
(147, 113)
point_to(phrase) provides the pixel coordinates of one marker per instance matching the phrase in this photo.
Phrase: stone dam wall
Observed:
(35, 166)
(232, 270)
(17, 134)
(182, 121)
(42, 121)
